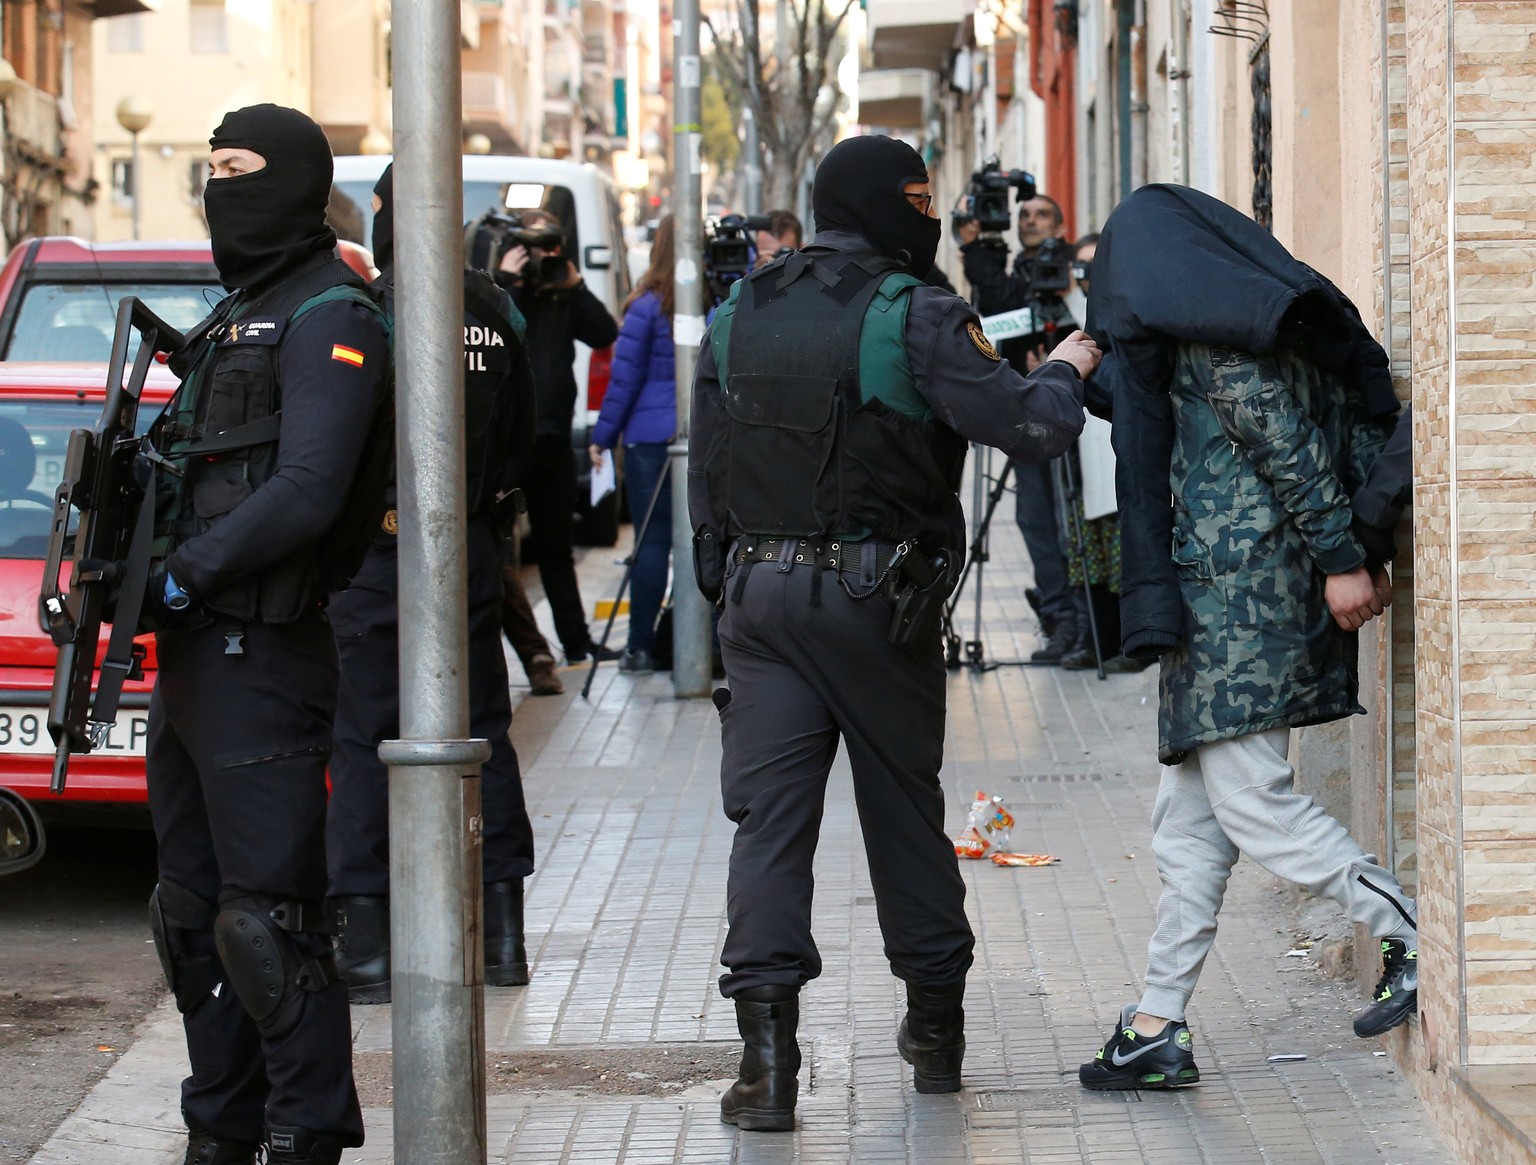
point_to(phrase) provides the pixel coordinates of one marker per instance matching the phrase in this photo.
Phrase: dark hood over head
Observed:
(384, 219)
(858, 189)
(264, 223)
(1176, 264)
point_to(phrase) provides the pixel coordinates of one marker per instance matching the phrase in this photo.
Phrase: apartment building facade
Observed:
(47, 96)
(539, 77)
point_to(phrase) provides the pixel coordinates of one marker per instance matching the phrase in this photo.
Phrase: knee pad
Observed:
(178, 918)
(274, 955)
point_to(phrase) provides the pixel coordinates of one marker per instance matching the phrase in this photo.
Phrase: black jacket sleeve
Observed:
(328, 405)
(1388, 489)
(709, 547)
(590, 321)
(979, 395)
(996, 289)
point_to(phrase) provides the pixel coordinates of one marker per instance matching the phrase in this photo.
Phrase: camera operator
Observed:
(776, 233)
(985, 259)
(560, 309)
(1061, 607)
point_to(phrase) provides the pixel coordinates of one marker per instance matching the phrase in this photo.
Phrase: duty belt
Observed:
(872, 563)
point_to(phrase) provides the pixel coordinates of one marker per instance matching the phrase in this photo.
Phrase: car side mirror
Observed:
(599, 258)
(21, 834)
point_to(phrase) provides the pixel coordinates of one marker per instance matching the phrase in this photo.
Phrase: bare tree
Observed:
(787, 85)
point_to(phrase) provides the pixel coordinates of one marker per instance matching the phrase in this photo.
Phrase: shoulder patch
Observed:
(347, 355)
(979, 338)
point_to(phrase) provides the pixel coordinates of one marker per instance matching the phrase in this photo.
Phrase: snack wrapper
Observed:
(988, 827)
(1005, 859)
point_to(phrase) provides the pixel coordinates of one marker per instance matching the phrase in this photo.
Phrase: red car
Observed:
(58, 306)
(59, 296)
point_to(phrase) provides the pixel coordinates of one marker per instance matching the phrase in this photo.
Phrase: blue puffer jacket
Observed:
(641, 405)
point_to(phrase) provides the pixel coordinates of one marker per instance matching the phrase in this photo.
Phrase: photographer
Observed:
(560, 309)
(1033, 282)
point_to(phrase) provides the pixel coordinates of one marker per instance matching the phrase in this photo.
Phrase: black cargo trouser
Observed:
(366, 618)
(236, 771)
(802, 677)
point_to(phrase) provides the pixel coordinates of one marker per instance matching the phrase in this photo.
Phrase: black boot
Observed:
(506, 956)
(763, 1097)
(932, 1037)
(291, 1146)
(207, 1149)
(362, 950)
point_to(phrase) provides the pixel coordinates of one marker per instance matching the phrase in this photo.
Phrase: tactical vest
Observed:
(222, 427)
(824, 432)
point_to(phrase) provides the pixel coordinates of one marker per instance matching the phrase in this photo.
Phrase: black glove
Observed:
(159, 611)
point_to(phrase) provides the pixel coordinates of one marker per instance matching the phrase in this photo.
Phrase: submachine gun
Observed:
(108, 547)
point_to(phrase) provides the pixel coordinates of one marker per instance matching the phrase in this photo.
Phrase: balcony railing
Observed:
(34, 121)
(485, 97)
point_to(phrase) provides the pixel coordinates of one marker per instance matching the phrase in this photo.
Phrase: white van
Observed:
(587, 203)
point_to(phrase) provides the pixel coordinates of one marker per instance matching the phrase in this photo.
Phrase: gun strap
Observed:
(119, 660)
(261, 431)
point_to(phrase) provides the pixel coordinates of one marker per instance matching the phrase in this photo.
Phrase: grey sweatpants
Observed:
(1238, 796)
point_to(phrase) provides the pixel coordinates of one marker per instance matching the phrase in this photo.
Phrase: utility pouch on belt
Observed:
(709, 555)
(921, 589)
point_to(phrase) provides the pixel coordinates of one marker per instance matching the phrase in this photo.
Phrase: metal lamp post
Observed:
(134, 114)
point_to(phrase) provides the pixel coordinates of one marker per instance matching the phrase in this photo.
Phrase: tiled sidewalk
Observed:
(625, 920)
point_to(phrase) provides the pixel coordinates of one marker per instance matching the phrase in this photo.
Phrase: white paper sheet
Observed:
(603, 480)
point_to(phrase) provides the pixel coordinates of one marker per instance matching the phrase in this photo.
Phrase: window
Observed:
(125, 34)
(208, 26)
(122, 180)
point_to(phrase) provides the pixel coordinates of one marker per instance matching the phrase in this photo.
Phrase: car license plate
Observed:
(25, 730)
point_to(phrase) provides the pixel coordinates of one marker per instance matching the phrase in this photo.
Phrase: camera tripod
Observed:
(987, 492)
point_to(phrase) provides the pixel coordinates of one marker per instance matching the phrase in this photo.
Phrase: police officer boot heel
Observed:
(763, 1097)
(207, 1149)
(506, 955)
(291, 1146)
(362, 950)
(932, 1036)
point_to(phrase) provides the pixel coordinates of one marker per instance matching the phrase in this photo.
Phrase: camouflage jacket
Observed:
(1266, 453)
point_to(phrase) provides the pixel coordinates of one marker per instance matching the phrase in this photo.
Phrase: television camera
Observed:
(986, 198)
(488, 238)
(727, 252)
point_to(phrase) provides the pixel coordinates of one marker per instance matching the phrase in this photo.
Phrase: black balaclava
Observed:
(264, 223)
(384, 219)
(858, 189)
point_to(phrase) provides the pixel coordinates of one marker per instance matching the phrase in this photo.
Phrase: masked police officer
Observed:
(277, 472)
(499, 427)
(834, 397)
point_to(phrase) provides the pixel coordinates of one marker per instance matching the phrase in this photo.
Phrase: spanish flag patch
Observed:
(347, 355)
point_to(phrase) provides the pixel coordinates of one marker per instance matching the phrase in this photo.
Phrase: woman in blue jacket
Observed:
(641, 410)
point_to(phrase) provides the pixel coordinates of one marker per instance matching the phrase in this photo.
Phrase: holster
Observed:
(917, 609)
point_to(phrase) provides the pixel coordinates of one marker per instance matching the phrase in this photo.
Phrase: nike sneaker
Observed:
(1131, 1060)
(1397, 995)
